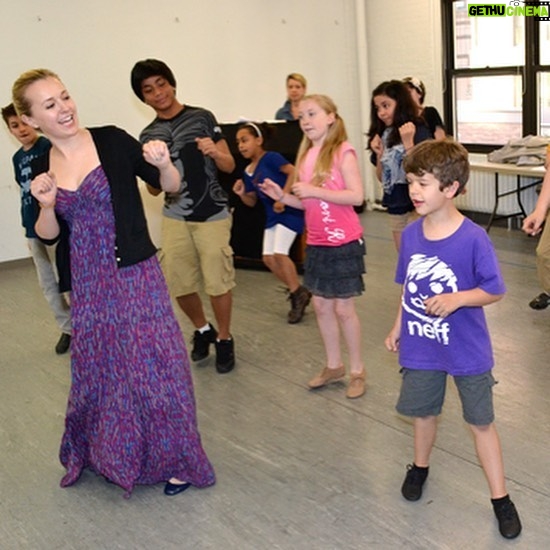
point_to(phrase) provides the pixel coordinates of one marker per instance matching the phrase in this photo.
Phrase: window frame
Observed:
(529, 72)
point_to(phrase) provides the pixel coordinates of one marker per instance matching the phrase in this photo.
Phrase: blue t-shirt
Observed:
(269, 166)
(23, 175)
(458, 344)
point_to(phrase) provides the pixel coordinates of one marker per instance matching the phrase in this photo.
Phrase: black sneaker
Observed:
(509, 524)
(225, 355)
(63, 344)
(299, 299)
(415, 478)
(542, 301)
(201, 343)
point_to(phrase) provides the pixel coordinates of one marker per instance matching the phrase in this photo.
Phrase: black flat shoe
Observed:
(63, 344)
(172, 489)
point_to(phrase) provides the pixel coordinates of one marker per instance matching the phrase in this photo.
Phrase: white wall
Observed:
(404, 39)
(231, 57)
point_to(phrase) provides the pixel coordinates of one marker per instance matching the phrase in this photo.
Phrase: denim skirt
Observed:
(335, 271)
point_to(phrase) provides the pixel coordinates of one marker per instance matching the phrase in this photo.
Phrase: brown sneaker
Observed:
(356, 386)
(327, 376)
(299, 299)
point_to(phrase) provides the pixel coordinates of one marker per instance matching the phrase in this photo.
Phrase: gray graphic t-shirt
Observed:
(201, 197)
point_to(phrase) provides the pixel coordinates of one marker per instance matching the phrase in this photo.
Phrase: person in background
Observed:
(449, 271)
(533, 224)
(131, 412)
(296, 86)
(196, 223)
(327, 187)
(283, 223)
(395, 127)
(429, 114)
(32, 146)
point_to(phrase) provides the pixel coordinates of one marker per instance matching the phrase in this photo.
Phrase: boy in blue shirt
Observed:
(32, 146)
(449, 272)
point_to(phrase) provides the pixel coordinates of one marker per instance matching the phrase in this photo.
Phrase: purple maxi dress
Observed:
(131, 411)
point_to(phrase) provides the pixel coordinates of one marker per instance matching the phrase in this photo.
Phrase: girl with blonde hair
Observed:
(327, 187)
(131, 414)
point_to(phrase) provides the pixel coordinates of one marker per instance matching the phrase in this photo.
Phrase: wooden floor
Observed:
(296, 469)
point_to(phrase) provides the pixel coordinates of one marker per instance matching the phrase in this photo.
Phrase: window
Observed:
(497, 77)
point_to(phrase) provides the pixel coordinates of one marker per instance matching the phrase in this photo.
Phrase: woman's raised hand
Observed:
(44, 189)
(156, 152)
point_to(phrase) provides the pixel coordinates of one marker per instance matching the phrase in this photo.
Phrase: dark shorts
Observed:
(423, 392)
(335, 271)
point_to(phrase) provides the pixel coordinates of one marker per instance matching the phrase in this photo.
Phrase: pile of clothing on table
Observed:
(525, 151)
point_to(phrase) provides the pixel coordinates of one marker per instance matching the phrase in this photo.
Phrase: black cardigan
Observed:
(122, 160)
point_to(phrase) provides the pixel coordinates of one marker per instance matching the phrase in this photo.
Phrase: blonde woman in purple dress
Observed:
(131, 412)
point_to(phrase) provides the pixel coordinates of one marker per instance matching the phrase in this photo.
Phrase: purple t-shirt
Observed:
(458, 344)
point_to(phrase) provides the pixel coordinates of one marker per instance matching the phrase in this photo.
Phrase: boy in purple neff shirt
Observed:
(449, 271)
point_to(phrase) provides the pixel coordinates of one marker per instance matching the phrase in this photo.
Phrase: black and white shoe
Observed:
(201, 343)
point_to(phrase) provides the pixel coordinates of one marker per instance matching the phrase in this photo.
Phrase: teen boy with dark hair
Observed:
(196, 221)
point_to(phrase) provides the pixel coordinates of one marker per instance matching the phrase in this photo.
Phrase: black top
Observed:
(121, 158)
(433, 119)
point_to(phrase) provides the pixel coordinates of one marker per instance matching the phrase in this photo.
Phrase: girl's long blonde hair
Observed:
(336, 135)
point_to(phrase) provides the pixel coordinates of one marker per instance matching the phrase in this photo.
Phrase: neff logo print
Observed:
(427, 276)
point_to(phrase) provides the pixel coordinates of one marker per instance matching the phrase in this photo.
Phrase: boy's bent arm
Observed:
(224, 159)
(218, 151)
(392, 339)
(442, 305)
